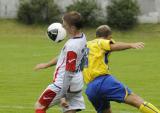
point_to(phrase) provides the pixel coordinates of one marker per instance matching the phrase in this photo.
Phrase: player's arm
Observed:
(69, 73)
(52, 62)
(118, 46)
(69, 70)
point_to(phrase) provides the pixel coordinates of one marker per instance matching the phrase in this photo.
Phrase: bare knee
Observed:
(134, 100)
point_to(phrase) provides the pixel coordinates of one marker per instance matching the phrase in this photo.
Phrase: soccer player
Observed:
(68, 79)
(102, 87)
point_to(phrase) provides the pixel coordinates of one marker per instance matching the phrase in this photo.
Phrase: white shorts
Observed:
(75, 100)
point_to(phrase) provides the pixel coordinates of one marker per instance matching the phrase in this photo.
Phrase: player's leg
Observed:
(121, 93)
(107, 110)
(39, 108)
(74, 96)
(139, 103)
(113, 90)
(75, 103)
(134, 100)
(45, 100)
(100, 105)
(95, 96)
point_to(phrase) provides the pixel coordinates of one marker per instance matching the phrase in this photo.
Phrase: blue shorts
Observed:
(104, 89)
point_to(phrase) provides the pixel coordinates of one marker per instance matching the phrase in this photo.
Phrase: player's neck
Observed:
(76, 34)
(106, 38)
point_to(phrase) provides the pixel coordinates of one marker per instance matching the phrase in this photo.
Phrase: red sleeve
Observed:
(71, 61)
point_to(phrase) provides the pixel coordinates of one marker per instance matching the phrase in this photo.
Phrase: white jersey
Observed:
(68, 79)
(70, 59)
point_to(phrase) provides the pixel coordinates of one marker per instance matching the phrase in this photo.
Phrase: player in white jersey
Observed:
(67, 85)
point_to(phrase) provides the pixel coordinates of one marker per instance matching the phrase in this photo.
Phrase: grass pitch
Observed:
(22, 47)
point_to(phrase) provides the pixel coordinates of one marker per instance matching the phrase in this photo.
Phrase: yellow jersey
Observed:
(96, 63)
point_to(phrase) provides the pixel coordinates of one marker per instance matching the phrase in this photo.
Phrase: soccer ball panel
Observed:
(56, 32)
(53, 34)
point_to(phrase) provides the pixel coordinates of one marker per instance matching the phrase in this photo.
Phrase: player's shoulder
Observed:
(92, 41)
(76, 43)
(96, 41)
(100, 40)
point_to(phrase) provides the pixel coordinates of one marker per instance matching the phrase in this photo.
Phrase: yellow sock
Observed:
(148, 108)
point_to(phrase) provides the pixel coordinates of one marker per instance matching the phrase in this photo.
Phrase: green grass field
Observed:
(22, 47)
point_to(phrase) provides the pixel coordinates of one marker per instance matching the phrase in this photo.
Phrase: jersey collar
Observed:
(78, 37)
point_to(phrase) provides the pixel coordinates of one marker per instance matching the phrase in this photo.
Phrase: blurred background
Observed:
(24, 43)
(150, 10)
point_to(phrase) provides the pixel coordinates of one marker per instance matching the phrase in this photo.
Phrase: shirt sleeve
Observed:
(70, 68)
(105, 44)
(71, 61)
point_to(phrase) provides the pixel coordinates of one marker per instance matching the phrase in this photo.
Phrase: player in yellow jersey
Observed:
(102, 87)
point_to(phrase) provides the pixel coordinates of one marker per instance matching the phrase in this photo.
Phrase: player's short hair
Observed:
(103, 31)
(73, 18)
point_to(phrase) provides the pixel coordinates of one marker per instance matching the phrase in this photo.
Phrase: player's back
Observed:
(97, 64)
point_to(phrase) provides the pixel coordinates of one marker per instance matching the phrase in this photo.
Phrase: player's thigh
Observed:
(113, 90)
(49, 97)
(76, 102)
(101, 105)
(95, 96)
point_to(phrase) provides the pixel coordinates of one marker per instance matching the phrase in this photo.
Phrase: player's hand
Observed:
(40, 66)
(64, 103)
(138, 45)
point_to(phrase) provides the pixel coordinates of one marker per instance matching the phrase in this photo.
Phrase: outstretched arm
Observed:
(46, 65)
(118, 46)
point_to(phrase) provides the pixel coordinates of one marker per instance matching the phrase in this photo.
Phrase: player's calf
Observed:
(134, 100)
(139, 103)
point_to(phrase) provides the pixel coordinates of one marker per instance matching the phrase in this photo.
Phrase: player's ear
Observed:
(73, 28)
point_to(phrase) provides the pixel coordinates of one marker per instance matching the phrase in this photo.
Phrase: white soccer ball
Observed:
(56, 32)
